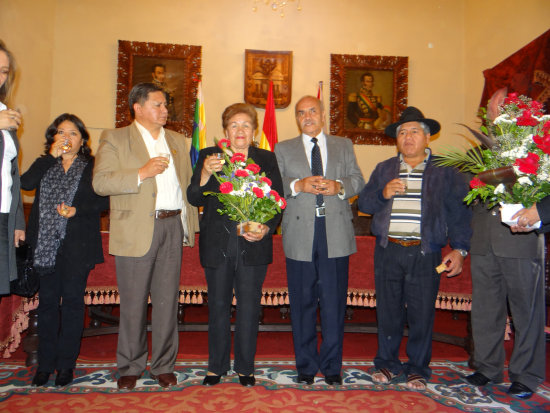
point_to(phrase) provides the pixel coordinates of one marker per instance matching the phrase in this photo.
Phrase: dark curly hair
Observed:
(85, 150)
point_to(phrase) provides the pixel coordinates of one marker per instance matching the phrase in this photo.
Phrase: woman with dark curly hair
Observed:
(64, 233)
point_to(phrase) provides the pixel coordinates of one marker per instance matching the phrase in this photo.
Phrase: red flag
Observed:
(269, 131)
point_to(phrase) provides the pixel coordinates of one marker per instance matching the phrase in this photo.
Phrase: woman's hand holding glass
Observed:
(212, 163)
(66, 211)
(10, 119)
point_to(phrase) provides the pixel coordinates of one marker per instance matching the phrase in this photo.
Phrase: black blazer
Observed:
(215, 229)
(490, 234)
(82, 243)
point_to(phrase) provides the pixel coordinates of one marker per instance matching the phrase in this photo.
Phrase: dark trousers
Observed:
(247, 281)
(321, 283)
(61, 315)
(157, 274)
(406, 289)
(518, 282)
(4, 255)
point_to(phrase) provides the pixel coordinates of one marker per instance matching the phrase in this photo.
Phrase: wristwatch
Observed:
(342, 191)
(464, 253)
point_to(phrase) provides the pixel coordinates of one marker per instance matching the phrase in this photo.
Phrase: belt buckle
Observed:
(320, 211)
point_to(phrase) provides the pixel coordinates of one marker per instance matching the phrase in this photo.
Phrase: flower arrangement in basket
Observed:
(513, 165)
(245, 191)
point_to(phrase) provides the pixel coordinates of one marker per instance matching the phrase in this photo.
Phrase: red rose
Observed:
(275, 195)
(536, 108)
(266, 180)
(528, 165)
(543, 143)
(241, 173)
(526, 119)
(476, 183)
(226, 188)
(237, 157)
(258, 192)
(546, 128)
(224, 143)
(252, 167)
(512, 98)
(282, 204)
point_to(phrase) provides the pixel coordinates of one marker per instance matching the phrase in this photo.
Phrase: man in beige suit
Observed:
(145, 169)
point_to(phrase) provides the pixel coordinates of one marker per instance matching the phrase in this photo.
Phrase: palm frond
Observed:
(465, 161)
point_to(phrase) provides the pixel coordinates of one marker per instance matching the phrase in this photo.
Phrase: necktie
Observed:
(316, 166)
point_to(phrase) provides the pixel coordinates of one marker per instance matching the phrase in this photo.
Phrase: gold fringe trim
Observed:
(273, 298)
(20, 324)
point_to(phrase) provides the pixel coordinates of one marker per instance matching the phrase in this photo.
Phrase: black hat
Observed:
(412, 114)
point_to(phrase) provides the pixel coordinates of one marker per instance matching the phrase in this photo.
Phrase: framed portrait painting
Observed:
(367, 93)
(261, 67)
(173, 67)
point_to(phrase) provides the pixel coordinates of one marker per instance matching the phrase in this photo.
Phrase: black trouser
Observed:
(61, 315)
(247, 280)
(4, 255)
(406, 290)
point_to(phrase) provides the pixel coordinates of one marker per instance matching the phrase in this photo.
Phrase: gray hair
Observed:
(424, 127)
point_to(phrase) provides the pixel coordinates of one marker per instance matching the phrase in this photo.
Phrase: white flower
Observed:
(524, 180)
(500, 189)
(504, 118)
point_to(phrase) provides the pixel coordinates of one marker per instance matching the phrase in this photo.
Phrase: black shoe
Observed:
(305, 378)
(211, 380)
(247, 381)
(334, 379)
(477, 379)
(64, 377)
(520, 391)
(40, 378)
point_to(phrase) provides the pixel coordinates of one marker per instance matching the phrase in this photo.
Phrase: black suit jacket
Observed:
(82, 243)
(491, 234)
(215, 229)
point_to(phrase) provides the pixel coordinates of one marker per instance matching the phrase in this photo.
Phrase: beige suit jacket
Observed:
(121, 153)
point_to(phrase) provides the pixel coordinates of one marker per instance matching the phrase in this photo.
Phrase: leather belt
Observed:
(405, 242)
(166, 213)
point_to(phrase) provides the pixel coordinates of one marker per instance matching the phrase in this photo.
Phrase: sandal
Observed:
(386, 373)
(416, 382)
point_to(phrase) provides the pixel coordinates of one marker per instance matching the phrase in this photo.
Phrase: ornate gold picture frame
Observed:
(262, 66)
(367, 93)
(174, 67)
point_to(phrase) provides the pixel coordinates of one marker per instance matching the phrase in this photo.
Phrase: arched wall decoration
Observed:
(361, 114)
(182, 65)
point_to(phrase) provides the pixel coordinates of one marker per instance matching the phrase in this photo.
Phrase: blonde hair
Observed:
(5, 89)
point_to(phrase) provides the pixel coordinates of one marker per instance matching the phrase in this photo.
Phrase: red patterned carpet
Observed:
(94, 388)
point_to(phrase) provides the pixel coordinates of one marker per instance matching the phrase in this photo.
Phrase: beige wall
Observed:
(67, 50)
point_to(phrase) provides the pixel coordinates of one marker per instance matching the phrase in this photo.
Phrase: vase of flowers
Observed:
(513, 164)
(245, 191)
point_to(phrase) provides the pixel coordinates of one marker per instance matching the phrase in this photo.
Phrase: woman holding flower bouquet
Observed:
(235, 182)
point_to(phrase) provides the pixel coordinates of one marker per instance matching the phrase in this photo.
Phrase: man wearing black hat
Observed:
(417, 209)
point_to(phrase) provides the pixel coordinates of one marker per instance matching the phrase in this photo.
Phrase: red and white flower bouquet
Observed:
(245, 191)
(513, 165)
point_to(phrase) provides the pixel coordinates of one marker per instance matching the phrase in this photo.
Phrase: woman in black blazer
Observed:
(231, 261)
(64, 233)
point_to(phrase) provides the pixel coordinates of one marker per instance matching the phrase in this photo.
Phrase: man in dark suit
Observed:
(145, 170)
(319, 173)
(508, 271)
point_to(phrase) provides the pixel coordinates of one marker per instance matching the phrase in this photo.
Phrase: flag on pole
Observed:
(320, 97)
(269, 130)
(199, 128)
